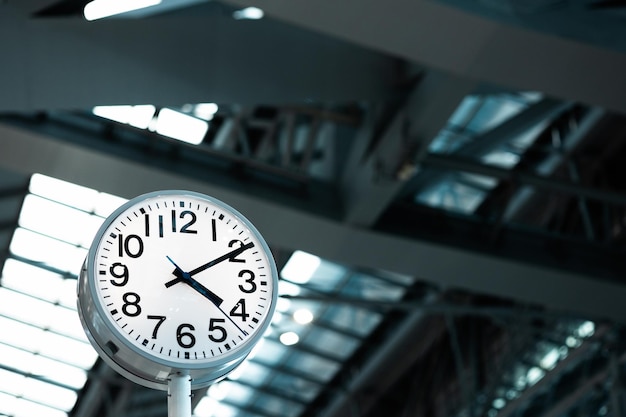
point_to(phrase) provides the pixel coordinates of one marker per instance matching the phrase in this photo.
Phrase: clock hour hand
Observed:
(186, 278)
(222, 258)
(182, 276)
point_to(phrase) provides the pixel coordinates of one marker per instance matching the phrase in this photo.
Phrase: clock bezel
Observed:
(141, 365)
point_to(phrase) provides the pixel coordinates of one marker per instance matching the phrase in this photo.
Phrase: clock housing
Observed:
(176, 281)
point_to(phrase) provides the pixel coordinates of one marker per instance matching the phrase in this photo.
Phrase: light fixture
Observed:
(303, 316)
(289, 338)
(180, 126)
(205, 111)
(250, 13)
(98, 9)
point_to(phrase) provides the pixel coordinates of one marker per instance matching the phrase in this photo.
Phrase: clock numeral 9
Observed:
(123, 275)
(125, 246)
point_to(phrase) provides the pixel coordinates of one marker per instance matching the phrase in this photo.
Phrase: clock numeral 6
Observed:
(185, 339)
(218, 332)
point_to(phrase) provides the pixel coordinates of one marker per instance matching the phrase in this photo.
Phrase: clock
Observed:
(176, 282)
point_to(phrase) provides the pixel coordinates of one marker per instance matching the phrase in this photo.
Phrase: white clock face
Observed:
(184, 278)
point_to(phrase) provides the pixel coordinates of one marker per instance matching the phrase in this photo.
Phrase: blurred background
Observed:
(442, 184)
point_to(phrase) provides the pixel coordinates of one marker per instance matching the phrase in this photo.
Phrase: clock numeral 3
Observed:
(249, 280)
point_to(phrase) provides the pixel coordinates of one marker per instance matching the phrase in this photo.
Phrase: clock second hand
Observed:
(216, 300)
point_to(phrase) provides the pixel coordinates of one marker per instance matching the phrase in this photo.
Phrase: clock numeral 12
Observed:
(187, 215)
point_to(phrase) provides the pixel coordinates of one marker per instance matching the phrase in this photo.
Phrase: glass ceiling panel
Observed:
(277, 406)
(81, 229)
(476, 115)
(45, 368)
(250, 373)
(331, 343)
(41, 283)
(307, 363)
(296, 387)
(44, 353)
(47, 251)
(351, 318)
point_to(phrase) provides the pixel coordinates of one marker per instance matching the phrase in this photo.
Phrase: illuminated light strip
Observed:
(99, 9)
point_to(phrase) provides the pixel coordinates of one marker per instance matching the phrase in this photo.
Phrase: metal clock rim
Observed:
(224, 359)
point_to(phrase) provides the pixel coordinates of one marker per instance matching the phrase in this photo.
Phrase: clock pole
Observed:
(179, 395)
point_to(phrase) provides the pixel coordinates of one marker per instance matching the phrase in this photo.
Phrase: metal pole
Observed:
(179, 395)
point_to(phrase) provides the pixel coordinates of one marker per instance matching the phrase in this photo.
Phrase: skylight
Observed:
(44, 354)
(475, 116)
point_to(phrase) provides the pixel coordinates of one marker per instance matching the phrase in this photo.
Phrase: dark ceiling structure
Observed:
(458, 166)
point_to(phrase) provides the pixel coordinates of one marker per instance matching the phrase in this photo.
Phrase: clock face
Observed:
(183, 278)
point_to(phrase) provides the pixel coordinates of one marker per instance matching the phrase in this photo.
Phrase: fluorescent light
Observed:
(139, 116)
(99, 9)
(303, 316)
(251, 13)
(205, 111)
(550, 359)
(180, 126)
(586, 329)
(289, 338)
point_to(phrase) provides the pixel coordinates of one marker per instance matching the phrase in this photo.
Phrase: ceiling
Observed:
(457, 166)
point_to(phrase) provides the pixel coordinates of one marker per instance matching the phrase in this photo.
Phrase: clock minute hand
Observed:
(222, 258)
(186, 278)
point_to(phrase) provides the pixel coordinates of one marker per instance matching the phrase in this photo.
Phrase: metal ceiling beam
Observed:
(544, 111)
(205, 56)
(372, 182)
(286, 227)
(465, 44)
